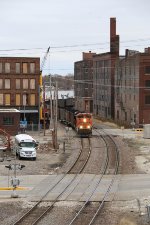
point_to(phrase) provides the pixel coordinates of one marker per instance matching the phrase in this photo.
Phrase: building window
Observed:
(7, 99)
(17, 99)
(32, 84)
(17, 67)
(1, 83)
(147, 69)
(32, 67)
(25, 67)
(25, 83)
(147, 83)
(8, 120)
(7, 67)
(17, 83)
(7, 83)
(25, 99)
(1, 99)
(125, 116)
(117, 114)
(0, 67)
(147, 99)
(32, 99)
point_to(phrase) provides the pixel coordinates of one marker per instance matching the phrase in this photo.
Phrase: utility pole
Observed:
(44, 106)
(56, 115)
(50, 104)
(55, 118)
(39, 90)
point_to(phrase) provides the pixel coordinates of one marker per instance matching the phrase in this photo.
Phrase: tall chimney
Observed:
(114, 39)
(112, 27)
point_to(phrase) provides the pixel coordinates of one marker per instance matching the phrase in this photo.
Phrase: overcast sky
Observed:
(81, 24)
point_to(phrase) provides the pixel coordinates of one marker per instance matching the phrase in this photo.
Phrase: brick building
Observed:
(19, 85)
(10, 121)
(83, 85)
(103, 77)
(132, 93)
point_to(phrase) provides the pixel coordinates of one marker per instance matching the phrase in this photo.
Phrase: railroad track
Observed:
(111, 163)
(36, 213)
(83, 157)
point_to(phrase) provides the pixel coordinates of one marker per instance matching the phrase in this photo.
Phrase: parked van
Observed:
(25, 146)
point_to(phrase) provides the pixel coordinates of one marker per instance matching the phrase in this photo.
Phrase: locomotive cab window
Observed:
(80, 116)
(88, 116)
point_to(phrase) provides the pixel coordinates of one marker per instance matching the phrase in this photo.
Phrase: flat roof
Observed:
(9, 110)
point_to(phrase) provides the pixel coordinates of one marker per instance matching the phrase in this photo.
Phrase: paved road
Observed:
(125, 187)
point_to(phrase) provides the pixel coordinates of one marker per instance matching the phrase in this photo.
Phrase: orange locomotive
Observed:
(83, 123)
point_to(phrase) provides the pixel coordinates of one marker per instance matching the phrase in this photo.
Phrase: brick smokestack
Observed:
(114, 39)
(112, 27)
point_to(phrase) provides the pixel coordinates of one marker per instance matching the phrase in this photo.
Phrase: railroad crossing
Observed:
(125, 187)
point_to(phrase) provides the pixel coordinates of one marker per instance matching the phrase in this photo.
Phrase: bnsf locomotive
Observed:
(82, 122)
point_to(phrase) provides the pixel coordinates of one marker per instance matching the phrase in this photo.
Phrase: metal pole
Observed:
(56, 115)
(39, 109)
(44, 107)
(50, 104)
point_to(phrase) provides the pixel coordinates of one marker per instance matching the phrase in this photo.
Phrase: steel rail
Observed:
(80, 160)
(28, 213)
(97, 184)
(111, 183)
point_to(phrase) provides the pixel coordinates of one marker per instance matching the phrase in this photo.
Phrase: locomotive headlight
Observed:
(88, 126)
(84, 120)
(81, 127)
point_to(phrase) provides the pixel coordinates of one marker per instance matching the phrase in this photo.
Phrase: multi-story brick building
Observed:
(132, 92)
(83, 85)
(19, 85)
(103, 77)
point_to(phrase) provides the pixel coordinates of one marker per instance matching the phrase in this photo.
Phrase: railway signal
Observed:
(15, 182)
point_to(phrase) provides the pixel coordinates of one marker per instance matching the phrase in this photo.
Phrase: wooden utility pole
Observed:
(51, 105)
(55, 118)
(44, 107)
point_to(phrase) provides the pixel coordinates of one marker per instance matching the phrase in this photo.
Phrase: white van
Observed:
(25, 146)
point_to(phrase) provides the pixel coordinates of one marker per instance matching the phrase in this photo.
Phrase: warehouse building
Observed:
(19, 86)
(132, 92)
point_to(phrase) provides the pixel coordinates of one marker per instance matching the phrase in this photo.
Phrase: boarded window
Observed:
(147, 99)
(7, 83)
(32, 84)
(8, 120)
(17, 67)
(1, 83)
(32, 99)
(25, 83)
(25, 67)
(17, 99)
(1, 99)
(0, 67)
(17, 83)
(7, 99)
(7, 67)
(32, 67)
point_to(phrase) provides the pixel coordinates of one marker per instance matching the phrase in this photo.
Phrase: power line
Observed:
(76, 45)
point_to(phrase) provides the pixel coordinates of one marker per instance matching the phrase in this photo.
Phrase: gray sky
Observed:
(81, 24)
